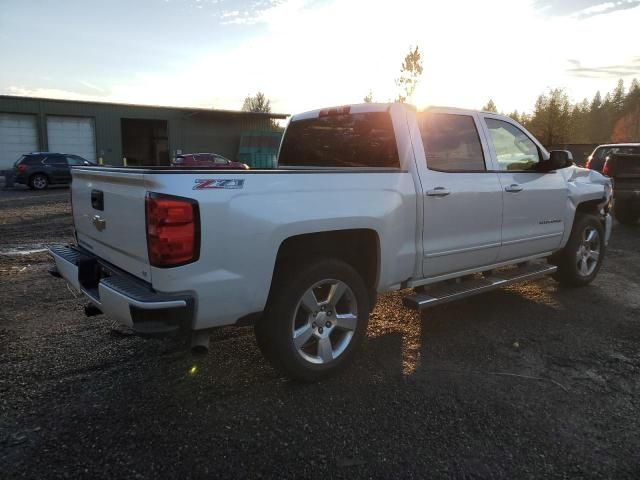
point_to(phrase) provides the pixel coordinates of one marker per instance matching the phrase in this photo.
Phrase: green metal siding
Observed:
(188, 130)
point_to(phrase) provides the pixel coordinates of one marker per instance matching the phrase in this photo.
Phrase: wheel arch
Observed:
(590, 207)
(358, 247)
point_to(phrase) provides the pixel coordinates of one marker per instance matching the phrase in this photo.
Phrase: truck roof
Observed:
(619, 145)
(378, 107)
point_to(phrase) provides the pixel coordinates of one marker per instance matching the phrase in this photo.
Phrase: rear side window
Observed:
(30, 160)
(351, 140)
(451, 142)
(55, 159)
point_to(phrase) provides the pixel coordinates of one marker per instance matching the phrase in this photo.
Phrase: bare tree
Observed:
(410, 74)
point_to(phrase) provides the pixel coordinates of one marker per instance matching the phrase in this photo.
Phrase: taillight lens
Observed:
(22, 168)
(173, 230)
(588, 164)
(605, 169)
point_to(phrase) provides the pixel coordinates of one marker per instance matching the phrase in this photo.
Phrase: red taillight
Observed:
(22, 168)
(173, 230)
(588, 164)
(605, 169)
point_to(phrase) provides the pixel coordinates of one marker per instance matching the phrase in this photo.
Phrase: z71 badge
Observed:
(218, 183)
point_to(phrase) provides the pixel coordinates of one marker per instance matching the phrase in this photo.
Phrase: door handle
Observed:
(513, 188)
(438, 192)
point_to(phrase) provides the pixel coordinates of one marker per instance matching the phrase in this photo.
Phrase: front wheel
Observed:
(315, 320)
(580, 260)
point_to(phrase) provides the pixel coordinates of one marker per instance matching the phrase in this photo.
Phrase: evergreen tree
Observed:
(551, 118)
(490, 107)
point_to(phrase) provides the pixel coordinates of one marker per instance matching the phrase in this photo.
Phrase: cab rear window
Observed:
(347, 140)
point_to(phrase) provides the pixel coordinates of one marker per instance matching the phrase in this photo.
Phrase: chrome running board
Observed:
(447, 291)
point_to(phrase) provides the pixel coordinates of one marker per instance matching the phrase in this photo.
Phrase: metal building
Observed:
(110, 132)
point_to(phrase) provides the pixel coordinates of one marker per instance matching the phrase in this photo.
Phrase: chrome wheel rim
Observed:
(39, 182)
(324, 321)
(588, 252)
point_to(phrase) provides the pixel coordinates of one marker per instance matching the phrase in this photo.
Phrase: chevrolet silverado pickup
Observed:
(366, 199)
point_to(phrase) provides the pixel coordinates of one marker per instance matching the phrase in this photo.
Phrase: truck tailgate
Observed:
(625, 169)
(109, 217)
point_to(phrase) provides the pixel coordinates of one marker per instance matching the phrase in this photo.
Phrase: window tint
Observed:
(30, 160)
(351, 140)
(451, 142)
(73, 160)
(514, 150)
(220, 160)
(54, 160)
(597, 160)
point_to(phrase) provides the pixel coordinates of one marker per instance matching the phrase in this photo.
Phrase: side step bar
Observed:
(448, 292)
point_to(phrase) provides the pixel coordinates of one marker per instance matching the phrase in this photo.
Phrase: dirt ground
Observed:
(533, 381)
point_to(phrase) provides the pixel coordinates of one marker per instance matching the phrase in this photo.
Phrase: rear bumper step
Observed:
(443, 293)
(122, 296)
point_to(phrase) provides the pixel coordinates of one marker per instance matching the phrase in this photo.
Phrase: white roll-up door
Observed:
(74, 135)
(18, 135)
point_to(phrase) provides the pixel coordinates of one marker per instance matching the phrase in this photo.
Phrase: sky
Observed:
(307, 54)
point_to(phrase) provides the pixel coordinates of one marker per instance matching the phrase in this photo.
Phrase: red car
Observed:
(207, 160)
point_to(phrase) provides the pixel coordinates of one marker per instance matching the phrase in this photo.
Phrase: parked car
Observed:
(366, 199)
(597, 159)
(207, 160)
(38, 170)
(624, 171)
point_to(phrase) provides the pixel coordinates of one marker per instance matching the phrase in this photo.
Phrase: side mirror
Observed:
(558, 159)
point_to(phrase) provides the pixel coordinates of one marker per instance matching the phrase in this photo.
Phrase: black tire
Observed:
(286, 312)
(578, 250)
(625, 214)
(38, 181)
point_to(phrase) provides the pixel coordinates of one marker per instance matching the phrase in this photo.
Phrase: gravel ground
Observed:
(530, 381)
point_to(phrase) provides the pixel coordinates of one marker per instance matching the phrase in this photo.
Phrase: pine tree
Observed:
(490, 107)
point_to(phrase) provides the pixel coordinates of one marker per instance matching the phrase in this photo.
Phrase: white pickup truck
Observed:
(366, 199)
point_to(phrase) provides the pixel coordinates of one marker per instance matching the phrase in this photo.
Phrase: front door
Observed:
(534, 202)
(462, 198)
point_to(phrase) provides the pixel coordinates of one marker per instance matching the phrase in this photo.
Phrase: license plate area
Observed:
(90, 272)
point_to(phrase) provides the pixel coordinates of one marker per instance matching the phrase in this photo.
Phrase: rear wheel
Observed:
(38, 181)
(624, 213)
(580, 260)
(315, 320)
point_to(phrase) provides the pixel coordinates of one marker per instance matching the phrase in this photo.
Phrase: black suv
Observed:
(41, 169)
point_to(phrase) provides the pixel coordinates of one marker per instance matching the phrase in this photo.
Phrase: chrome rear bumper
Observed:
(121, 295)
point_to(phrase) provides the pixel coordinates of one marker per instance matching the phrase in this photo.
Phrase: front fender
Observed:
(584, 185)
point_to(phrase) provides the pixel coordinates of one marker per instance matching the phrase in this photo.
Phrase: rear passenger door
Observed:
(57, 169)
(534, 202)
(462, 197)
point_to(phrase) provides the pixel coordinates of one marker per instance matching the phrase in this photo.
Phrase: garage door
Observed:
(18, 135)
(75, 135)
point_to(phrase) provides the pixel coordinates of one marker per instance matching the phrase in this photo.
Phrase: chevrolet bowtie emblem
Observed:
(99, 223)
